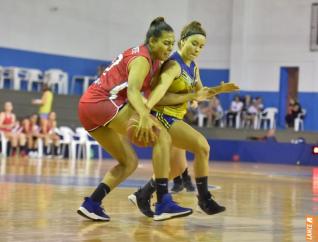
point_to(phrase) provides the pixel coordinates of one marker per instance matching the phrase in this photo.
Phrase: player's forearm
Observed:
(135, 99)
(174, 98)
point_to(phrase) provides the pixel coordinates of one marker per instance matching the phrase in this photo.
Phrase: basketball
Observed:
(132, 129)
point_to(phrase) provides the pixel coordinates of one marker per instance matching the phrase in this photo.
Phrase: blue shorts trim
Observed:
(166, 120)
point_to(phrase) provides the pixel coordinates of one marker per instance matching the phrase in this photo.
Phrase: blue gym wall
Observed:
(249, 151)
(210, 77)
(29, 59)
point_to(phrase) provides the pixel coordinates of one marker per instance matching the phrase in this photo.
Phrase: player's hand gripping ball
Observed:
(132, 128)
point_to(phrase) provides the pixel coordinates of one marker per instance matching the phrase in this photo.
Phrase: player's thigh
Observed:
(115, 144)
(120, 121)
(187, 138)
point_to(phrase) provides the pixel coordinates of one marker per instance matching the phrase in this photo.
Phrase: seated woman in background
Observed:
(7, 122)
(31, 129)
(50, 136)
(235, 109)
(212, 109)
(293, 110)
(250, 114)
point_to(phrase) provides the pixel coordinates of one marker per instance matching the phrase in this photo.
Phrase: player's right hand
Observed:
(146, 128)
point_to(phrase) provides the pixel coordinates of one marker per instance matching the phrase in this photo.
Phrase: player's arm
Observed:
(225, 88)
(14, 119)
(138, 70)
(169, 72)
(212, 91)
(198, 84)
(174, 98)
(1, 121)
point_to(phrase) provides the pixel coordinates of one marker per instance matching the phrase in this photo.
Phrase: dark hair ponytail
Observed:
(157, 26)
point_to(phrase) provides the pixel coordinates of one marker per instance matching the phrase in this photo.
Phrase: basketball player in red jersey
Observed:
(104, 114)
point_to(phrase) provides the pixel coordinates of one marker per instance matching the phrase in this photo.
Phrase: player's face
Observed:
(8, 107)
(163, 46)
(192, 46)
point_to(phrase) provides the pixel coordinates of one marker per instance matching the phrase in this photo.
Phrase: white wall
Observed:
(252, 38)
(101, 29)
(270, 34)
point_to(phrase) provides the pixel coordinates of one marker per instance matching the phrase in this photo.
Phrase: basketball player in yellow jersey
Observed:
(180, 82)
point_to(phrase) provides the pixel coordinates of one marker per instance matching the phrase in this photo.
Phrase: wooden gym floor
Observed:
(39, 199)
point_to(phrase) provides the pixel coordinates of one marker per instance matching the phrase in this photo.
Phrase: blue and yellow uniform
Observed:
(185, 83)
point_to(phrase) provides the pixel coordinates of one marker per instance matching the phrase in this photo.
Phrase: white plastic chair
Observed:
(86, 141)
(15, 75)
(299, 121)
(237, 120)
(34, 76)
(4, 144)
(40, 145)
(268, 116)
(201, 117)
(67, 138)
(57, 77)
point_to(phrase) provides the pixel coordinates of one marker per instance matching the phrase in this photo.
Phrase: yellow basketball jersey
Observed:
(183, 84)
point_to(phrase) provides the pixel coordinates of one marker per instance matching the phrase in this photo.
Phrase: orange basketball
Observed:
(132, 129)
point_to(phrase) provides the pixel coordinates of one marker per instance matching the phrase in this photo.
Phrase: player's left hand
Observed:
(205, 93)
(228, 87)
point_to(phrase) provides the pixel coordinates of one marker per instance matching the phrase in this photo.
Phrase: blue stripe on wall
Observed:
(212, 77)
(251, 151)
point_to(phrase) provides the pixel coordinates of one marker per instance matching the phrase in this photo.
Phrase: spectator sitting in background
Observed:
(7, 123)
(212, 109)
(247, 101)
(192, 113)
(251, 113)
(50, 135)
(17, 130)
(293, 110)
(31, 129)
(235, 109)
(259, 103)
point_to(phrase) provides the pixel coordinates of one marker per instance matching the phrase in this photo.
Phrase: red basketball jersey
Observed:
(8, 120)
(112, 84)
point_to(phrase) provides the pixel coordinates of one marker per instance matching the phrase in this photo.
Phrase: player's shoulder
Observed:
(140, 50)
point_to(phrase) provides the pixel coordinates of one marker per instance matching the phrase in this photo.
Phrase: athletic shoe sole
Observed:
(133, 199)
(92, 216)
(166, 216)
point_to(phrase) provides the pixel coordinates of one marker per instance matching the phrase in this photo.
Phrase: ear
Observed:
(152, 41)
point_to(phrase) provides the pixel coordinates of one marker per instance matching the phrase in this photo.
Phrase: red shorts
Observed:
(94, 115)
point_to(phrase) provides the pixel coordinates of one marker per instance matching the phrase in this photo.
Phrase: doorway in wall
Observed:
(288, 88)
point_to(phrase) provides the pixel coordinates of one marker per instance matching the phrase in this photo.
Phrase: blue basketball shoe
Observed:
(92, 210)
(168, 209)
